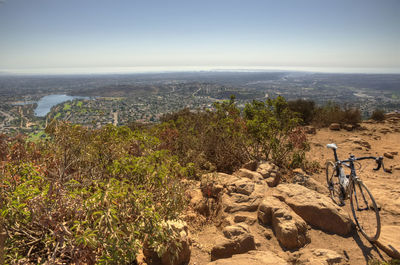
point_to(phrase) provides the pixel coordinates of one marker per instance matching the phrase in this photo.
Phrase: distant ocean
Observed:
(170, 69)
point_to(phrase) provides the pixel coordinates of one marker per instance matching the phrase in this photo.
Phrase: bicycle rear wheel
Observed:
(334, 186)
(365, 211)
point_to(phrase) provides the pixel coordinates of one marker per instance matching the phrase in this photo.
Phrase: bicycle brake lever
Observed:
(386, 170)
(379, 162)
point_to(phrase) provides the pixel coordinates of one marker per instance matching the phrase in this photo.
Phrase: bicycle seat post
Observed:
(333, 147)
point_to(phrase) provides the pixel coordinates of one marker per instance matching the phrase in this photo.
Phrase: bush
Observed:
(90, 196)
(273, 133)
(305, 108)
(225, 138)
(333, 113)
(378, 115)
(212, 140)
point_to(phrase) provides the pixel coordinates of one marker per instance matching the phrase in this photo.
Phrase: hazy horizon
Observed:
(99, 36)
(145, 70)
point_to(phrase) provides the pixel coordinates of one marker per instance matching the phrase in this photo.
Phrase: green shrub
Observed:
(90, 196)
(272, 131)
(333, 113)
(211, 140)
(305, 108)
(378, 115)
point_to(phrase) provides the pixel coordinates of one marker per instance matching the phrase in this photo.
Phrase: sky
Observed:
(121, 35)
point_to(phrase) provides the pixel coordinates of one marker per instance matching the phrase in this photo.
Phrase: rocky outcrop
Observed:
(316, 209)
(252, 258)
(289, 228)
(316, 257)
(237, 240)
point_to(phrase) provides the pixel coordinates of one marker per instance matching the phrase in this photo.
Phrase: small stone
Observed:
(348, 127)
(334, 127)
(388, 155)
(310, 130)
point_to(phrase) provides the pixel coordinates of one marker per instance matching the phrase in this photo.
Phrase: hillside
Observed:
(228, 186)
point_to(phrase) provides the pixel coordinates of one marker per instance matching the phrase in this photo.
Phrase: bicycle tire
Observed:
(334, 187)
(367, 213)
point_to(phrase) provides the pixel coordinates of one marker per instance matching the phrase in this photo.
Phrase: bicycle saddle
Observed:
(331, 146)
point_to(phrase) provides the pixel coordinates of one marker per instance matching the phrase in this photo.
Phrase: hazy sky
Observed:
(55, 34)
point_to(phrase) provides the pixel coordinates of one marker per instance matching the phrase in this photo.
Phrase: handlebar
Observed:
(379, 162)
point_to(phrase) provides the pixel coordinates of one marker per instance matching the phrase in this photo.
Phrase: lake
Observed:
(47, 102)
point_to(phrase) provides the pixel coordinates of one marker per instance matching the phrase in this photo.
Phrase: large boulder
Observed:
(237, 240)
(316, 257)
(239, 197)
(315, 208)
(290, 230)
(253, 257)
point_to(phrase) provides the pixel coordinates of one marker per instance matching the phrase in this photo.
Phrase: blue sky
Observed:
(85, 34)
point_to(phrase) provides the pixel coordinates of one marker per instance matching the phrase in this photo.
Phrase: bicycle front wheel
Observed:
(334, 186)
(365, 211)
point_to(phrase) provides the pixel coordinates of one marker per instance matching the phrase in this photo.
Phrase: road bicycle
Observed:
(342, 187)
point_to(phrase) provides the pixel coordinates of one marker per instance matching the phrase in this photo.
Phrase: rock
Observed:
(388, 155)
(274, 179)
(211, 189)
(234, 231)
(316, 257)
(244, 217)
(289, 228)
(310, 130)
(385, 130)
(348, 127)
(237, 240)
(389, 241)
(397, 167)
(315, 208)
(301, 178)
(359, 141)
(242, 186)
(253, 257)
(178, 253)
(245, 173)
(235, 202)
(266, 168)
(334, 127)
(251, 165)
(268, 234)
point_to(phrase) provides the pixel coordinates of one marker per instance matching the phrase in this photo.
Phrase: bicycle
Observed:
(341, 187)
